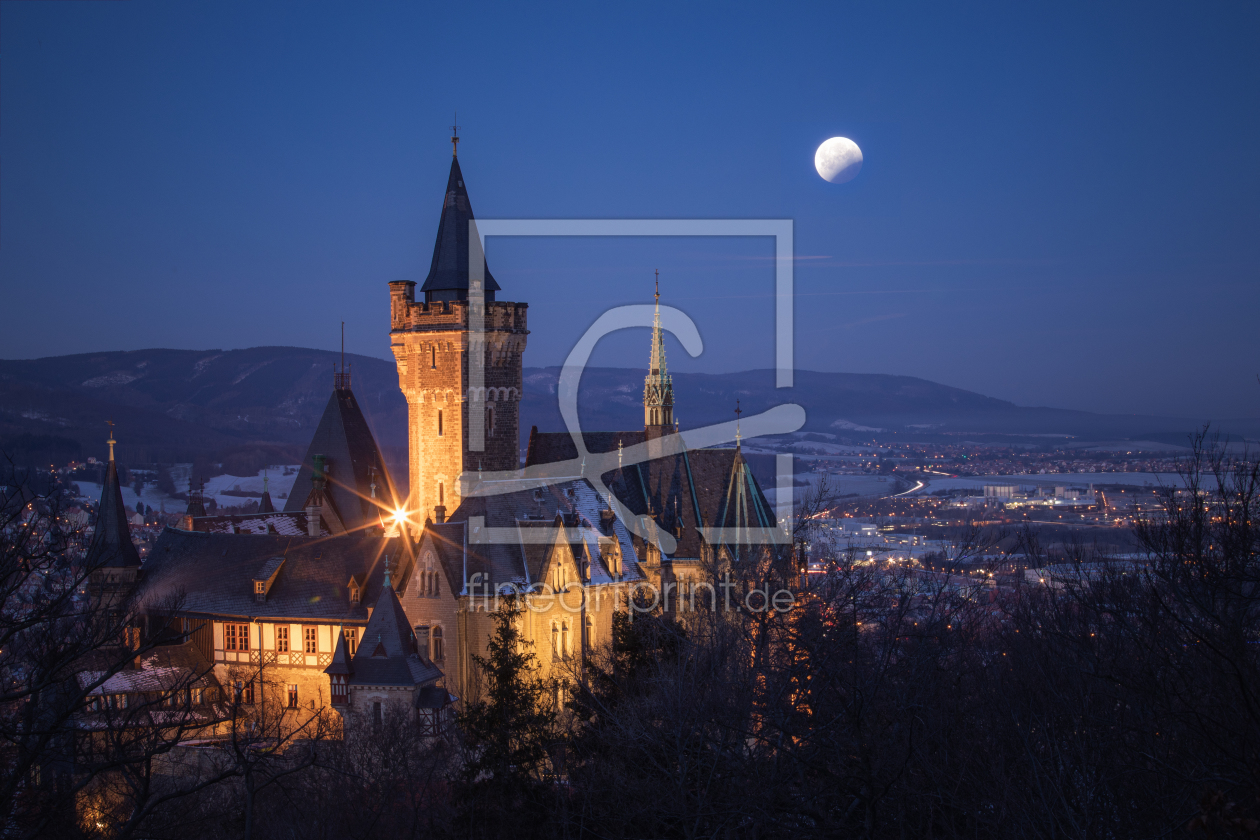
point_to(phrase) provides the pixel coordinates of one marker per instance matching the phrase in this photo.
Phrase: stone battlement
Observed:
(406, 315)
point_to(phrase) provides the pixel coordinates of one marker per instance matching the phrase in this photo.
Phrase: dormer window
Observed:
(354, 588)
(265, 578)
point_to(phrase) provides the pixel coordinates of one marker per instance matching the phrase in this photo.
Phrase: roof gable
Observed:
(353, 462)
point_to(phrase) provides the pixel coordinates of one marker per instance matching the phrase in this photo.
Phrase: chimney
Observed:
(439, 514)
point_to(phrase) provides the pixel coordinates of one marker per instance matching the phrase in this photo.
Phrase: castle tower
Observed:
(658, 387)
(456, 426)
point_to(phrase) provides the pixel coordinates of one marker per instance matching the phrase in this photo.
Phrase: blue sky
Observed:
(1058, 205)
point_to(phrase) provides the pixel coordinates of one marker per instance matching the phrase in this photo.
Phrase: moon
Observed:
(838, 160)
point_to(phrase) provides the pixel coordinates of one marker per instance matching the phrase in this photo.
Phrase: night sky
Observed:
(1060, 204)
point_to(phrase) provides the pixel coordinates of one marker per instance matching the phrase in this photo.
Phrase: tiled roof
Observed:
(448, 273)
(283, 524)
(682, 493)
(161, 669)
(269, 568)
(214, 573)
(514, 509)
(550, 447)
(111, 542)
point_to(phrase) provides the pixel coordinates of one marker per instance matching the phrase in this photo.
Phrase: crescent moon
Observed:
(838, 160)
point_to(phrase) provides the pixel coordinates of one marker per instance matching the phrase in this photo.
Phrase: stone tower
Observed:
(455, 426)
(658, 387)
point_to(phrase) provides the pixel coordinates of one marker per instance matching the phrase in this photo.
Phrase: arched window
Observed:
(564, 640)
(439, 652)
(555, 641)
(439, 422)
(441, 493)
(588, 633)
(437, 584)
(433, 357)
(489, 421)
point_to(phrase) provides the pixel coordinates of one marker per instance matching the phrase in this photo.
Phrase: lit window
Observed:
(351, 635)
(282, 639)
(236, 636)
(308, 636)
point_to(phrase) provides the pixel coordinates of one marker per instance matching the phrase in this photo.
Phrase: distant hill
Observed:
(170, 405)
(173, 405)
(859, 406)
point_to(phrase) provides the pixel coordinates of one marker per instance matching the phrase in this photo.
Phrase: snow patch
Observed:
(118, 377)
(850, 426)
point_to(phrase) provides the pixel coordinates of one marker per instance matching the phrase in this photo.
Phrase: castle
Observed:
(360, 594)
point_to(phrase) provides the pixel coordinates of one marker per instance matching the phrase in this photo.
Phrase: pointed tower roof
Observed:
(387, 652)
(341, 659)
(448, 273)
(658, 387)
(111, 543)
(346, 442)
(264, 504)
(744, 508)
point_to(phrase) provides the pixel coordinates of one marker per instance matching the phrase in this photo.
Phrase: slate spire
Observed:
(658, 387)
(264, 504)
(448, 273)
(111, 543)
(341, 657)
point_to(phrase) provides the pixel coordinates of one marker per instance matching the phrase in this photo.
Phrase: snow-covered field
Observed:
(280, 479)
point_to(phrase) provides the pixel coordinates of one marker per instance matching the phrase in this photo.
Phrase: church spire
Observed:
(111, 541)
(658, 387)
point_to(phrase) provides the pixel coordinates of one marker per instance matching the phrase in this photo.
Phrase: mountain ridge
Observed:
(169, 404)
